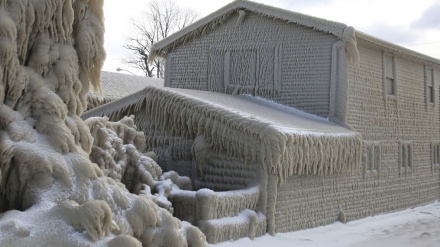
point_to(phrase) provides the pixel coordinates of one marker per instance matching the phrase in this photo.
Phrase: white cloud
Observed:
(395, 34)
(430, 18)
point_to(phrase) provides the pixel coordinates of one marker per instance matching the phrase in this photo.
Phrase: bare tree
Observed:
(161, 19)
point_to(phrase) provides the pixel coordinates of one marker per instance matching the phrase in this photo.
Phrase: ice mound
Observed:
(51, 193)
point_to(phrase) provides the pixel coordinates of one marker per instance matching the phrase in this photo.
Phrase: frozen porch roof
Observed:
(283, 118)
(284, 140)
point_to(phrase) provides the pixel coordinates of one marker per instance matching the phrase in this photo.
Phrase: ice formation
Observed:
(238, 128)
(115, 151)
(239, 147)
(51, 193)
(296, 170)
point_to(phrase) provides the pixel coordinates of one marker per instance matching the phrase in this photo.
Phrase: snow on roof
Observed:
(117, 85)
(340, 30)
(117, 105)
(284, 140)
(284, 118)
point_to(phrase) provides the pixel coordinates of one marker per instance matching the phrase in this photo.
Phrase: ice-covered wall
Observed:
(259, 55)
(51, 52)
(400, 147)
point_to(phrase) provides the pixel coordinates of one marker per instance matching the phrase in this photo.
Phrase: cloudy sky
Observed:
(414, 24)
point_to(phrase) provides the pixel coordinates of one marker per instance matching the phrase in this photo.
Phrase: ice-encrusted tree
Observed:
(161, 19)
(65, 181)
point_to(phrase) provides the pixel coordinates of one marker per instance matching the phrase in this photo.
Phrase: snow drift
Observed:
(51, 52)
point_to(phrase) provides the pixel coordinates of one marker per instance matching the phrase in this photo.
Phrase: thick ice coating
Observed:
(51, 193)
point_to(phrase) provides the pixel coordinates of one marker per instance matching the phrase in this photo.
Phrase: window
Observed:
(389, 68)
(429, 85)
(371, 158)
(405, 157)
(245, 70)
(435, 156)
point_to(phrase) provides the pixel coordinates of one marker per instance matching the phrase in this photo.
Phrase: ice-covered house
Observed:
(366, 141)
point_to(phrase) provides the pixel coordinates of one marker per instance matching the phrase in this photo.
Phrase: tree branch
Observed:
(161, 19)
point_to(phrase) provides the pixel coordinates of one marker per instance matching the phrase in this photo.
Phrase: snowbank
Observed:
(415, 227)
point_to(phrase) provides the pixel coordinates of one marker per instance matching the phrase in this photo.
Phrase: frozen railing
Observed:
(223, 215)
(206, 204)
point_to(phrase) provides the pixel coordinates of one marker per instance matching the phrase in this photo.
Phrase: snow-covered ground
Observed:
(416, 227)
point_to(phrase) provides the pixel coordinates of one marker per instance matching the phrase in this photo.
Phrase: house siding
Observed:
(405, 116)
(290, 64)
(305, 202)
(387, 122)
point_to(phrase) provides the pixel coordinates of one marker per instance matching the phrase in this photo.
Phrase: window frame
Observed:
(435, 156)
(406, 158)
(432, 99)
(371, 158)
(258, 63)
(387, 75)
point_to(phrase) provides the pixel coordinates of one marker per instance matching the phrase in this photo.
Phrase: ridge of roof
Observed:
(340, 30)
(219, 16)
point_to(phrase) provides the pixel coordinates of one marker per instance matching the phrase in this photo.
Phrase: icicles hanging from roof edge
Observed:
(164, 109)
(249, 140)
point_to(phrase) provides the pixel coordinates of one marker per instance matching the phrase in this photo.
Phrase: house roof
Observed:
(117, 85)
(393, 48)
(284, 118)
(285, 140)
(211, 21)
(340, 30)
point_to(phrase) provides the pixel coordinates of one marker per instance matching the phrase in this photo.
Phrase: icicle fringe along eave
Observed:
(282, 153)
(116, 106)
(93, 100)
